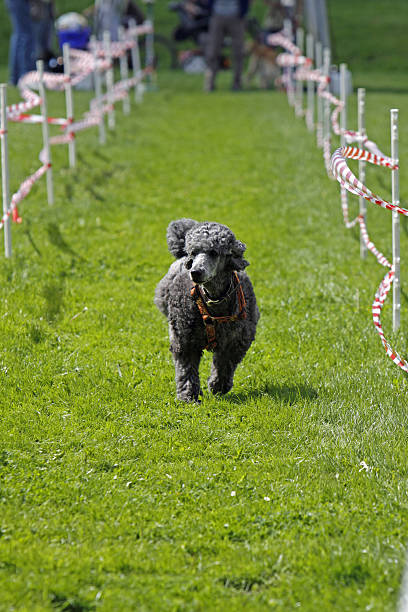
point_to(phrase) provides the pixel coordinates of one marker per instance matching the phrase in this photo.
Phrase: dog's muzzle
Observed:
(197, 276)
(200, 267)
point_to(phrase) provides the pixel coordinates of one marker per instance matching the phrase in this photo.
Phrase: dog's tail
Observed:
(176, 236)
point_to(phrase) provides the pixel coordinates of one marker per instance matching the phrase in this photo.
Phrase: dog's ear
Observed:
(237, 261)
(176, 236)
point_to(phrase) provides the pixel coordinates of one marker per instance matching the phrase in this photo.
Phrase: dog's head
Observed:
(212, 249)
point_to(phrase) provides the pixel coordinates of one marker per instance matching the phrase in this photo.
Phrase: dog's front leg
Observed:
(222, 372)
(187, 377)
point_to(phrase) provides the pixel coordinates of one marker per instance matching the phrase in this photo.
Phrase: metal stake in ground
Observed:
(69, 104)
(396, 289)
(45, 131)
(319, 123)
(343, 99)
(310, 85)
(149, 42)
(343, 122)
(124, 70)
(361, 165)
(98, 91)
(135, 54)
(300, 43)
(109, 78)
(326, 102)
(288, 72)
(4, 169)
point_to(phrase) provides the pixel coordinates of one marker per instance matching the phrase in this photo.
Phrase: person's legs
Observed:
(214, 46)
(107, 19)
(12, 61)
(236, 29)
(43, 30)
(38, 35)
(21, 59)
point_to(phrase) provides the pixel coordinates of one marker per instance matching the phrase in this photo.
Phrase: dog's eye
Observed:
(189, 263)
(213, 253)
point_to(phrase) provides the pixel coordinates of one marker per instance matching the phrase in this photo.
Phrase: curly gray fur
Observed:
(206, 254)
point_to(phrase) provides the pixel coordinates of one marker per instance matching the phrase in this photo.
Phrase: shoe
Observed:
(236, 87)
(209, 81)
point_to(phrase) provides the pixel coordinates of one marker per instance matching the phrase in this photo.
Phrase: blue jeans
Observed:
(43, 32)
(21, 52)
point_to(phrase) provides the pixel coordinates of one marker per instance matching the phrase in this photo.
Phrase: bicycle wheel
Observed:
(165, 53)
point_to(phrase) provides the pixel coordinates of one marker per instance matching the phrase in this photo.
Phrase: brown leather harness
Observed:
(209, 321)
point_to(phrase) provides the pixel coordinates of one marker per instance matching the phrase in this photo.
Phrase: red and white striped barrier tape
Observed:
(344, 206)
(22, 192)
(30, 118)
(344, 175)
(286, 60)
(349, 181)
(336, 164)
(377, 306)
(305, 72)
(370, 245)
(82, 64)
(279, 39)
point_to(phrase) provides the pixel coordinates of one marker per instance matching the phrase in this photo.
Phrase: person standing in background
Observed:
(274, 16)
(108, 16)
(227, 19)
(42, 16)
(22, 44)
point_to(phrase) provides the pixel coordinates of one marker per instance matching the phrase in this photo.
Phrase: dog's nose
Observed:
(197, 275)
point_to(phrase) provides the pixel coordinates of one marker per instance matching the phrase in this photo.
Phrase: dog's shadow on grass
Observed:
(289, 394)
(53, 294)
(55, 237)
(27, 232)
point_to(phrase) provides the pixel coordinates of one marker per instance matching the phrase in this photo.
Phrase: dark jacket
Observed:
(243, 6)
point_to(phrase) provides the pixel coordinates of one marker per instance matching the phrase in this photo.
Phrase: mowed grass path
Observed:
(113, 495)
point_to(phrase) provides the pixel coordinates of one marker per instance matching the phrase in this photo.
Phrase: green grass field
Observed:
(288, 493)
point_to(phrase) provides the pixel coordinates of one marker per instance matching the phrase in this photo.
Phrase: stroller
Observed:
(194, 16)
(194, 21)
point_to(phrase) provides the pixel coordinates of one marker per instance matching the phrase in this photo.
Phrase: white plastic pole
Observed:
(361, 165)
(300, 43)
(45, 132)
(149, 42)
(135, 54)
(287, 29)
(109, 78)
(343, 122)
(319, 123)
(343, 99)
(98, 91)
(396, 292)
(69, 104)
(310, 85)
(326, 102)
(4, 169)
(124, 71)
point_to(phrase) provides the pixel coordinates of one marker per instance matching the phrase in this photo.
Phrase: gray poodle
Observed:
(209, 302)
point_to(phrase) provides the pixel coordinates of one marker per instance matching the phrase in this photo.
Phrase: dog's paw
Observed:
(190, 394)
(188, 399)
(219, 387)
